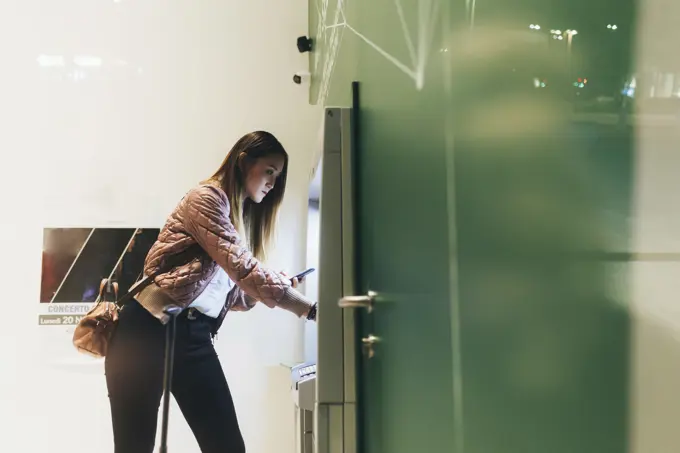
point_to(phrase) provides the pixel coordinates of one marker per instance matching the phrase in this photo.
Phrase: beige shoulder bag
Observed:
(93, 333)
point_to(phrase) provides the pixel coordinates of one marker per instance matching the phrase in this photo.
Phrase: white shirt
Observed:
(213, 297)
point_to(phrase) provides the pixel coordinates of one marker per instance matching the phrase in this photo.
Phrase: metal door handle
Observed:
(366, 301)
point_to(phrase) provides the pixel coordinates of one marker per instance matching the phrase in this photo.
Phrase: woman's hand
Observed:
(293, 281)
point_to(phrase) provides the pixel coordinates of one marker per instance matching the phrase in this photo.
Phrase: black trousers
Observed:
(134, 377)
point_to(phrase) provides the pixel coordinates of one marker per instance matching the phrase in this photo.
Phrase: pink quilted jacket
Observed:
(202, 217)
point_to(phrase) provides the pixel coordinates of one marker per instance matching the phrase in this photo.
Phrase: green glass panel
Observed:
(496, 168)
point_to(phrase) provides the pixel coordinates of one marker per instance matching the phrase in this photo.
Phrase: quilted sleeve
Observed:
(237, 300)
(205, 213)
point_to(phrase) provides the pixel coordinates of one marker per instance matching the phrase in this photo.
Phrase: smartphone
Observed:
(303, 273)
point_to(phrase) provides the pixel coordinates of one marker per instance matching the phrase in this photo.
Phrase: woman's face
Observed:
(262, 176)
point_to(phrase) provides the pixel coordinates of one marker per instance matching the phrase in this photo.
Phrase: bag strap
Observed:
(166, 265)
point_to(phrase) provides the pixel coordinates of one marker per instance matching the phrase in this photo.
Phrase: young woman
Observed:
(231, 217)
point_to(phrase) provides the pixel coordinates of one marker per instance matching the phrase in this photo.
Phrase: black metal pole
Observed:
(356, 190)
(170, 334)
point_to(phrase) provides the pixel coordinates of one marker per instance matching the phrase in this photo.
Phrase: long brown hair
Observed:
(256, 220)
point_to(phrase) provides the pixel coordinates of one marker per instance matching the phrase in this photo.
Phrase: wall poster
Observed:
(75, 260)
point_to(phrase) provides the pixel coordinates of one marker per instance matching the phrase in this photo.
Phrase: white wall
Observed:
(169, 87)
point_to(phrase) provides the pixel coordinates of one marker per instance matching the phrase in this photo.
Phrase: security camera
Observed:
(304, 44)
(300, 77)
